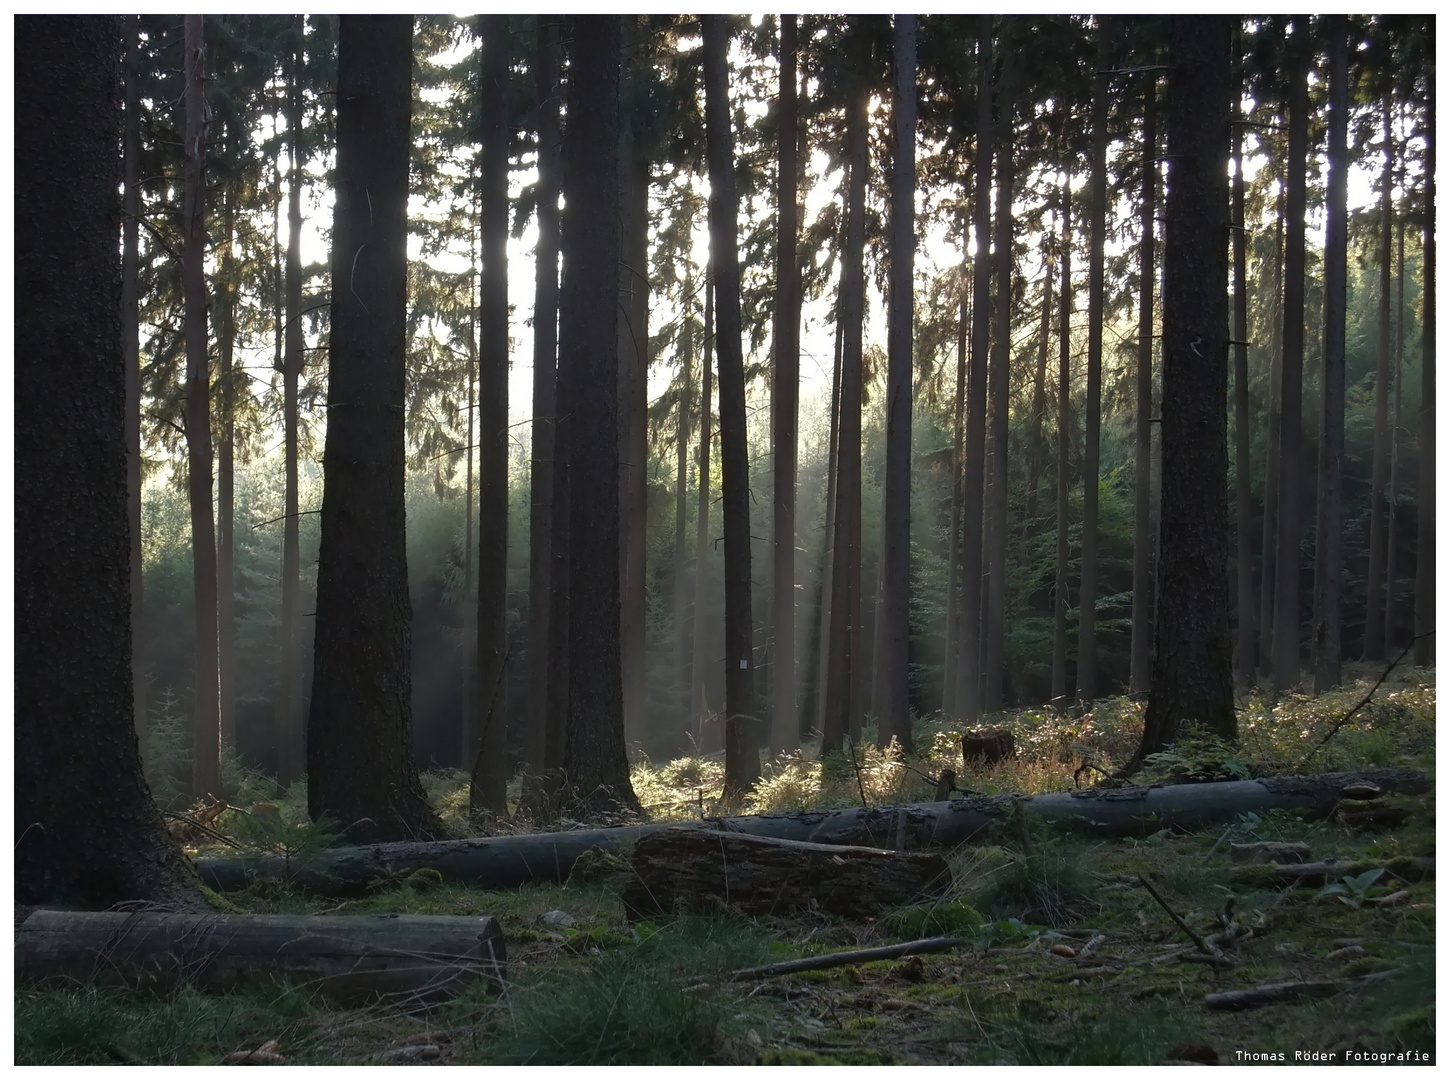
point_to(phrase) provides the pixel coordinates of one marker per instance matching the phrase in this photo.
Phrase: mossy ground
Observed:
(605, 991)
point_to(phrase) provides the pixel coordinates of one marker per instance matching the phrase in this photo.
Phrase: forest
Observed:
(998, 450)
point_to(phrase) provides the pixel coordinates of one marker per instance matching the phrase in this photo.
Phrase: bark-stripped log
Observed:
(351, 958)
(504, 862)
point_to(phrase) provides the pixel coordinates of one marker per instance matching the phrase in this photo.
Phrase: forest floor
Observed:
(590, 987)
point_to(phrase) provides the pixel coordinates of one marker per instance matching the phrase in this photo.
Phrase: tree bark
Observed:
(1141, 644)
(595, 764)
(951, 648)
(994, 617)
(131, 354)
(711, 739)
(1392, 499)
(226, 293)
(468, 674)
(683, 424)
(1060, 603)
(1270, 546)
(488, 760)
(360, 767)
(1374, 627)
(1425, 490)
(86, 830)
(1036, 449)
(205, 718)
(893, 711)
(785, 397)
(1192, 686)
(1329, 530)
(826, 587)
(1246, 645)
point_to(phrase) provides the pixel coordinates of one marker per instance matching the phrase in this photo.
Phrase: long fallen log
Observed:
(502, 862)
(350, 958)
(854, 956)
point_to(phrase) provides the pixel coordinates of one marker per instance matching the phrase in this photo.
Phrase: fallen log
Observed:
(691, 869)
(1271, 993)
(1323, 873)
(350, 958)
(505, 862)
(853, 956)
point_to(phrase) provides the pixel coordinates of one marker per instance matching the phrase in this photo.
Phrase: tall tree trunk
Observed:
(1141, 662)
(1192, 683)
(1060, 603)
(954, 538)
(994, 619)
(489, 760)
(1097, 224)
(1374, 627)
(1270, 545)
(785, 396)
(828, 528)
(205, 718)
(226, 294)
(291, 734)
(742, 757)
(1425, 489)
(893, 712)
(131, 353)
(969, 642)
(1329, 531)
(710, 737)
(1392, 499)
(360, 767)
(842, 720)
(468, 676)
(683, 424)
(542, 753)
(1036, 449)
(595, 763)
(74, 733)
(1286, 583)
(1246, 646)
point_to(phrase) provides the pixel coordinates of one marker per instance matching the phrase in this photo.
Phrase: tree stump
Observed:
(690, 869)
(988, 745)
(349, 957)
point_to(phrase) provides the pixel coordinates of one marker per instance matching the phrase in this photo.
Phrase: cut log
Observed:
(690, 869)
(1270, 994)
(350, 958)
(505, 862)
(853, 956)
(1322, 873)
(988, 745)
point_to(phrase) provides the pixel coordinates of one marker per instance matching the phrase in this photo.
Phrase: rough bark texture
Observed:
(742, 758)
(1060, 597)
(784, 404)
(86, 830)
(595, 765)
(893, 713)
(1192, 685)
(1374, 628)
(1246, 649)
(351, 958)
(1329, 531)
(1425, 540)
(999, 393)
(1141, 646)
(360, 767)
(691, 869)
(505, 862)
(205, 719)
(488, 760)
(131, 352)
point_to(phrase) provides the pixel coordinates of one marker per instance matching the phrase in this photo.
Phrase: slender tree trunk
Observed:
(742, 757)
(1097, 223)
(205, 719)
(1141, 662)
(541, 753)
(1060, 603)
(1329, 531)
(785, 395)
(893, 712)
(468, 676)
(1270, 545)
(1425, 489)
(1374, 627)
(969, 642)
(131, 353)
(842, 719)
(226, 294)
(710, 738)
(954, 538)
(1392, 499)
(1286, 584)
(1192, 684)
(488, 759)
(828, 528)
(594, 755)
(1036, 449)
(1246, 646)
(683, 424)
(994, 620)
(360, 766)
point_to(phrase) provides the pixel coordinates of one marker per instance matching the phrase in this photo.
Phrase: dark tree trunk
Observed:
(1374, 626)
(1141, 647)
(360, 767)
(1329, 531)
(205, 718)
(1286, 577)
(1097, 224)
(994, 617)
(488, 761)
(1036, 449)
(1425, 490)
(541, 753)
(954, 539)
(86, 830)
(226, 295)
(595, 764)
(742, 758)
(708, 738)
(1192, 684)
(785, 396)
(1246, 646)
(468, 673)
(843, 707)
(828, 529)
(1392, 499)
(131, 352)
(1060, 602)
(1270, 546)
(969, 641)
(893, 713)
(684, 423)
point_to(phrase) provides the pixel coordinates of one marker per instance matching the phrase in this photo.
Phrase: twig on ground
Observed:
(854, 956)
(1366, 699)
(1203, 946)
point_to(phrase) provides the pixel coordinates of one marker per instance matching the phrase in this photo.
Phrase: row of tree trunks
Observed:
(503, 862)
(350, 958)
